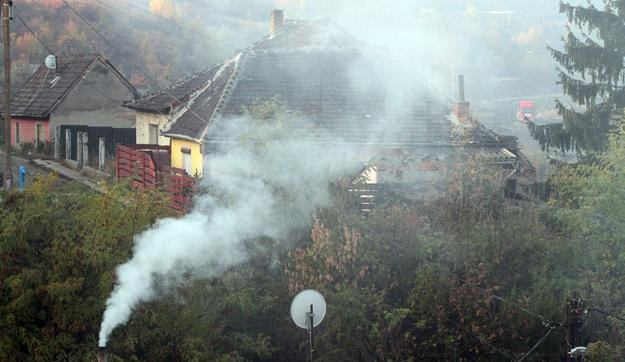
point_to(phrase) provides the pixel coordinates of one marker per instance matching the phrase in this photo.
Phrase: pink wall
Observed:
(28, 129)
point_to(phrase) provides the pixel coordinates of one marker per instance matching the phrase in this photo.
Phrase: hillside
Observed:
(147, 43)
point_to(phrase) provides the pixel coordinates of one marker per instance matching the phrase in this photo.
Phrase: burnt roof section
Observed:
(193, 119)
(164, 100)
(329, 100)
(46, 88)
(307, 67)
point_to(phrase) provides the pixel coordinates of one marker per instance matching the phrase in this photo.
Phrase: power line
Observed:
(32, 32)
(170, 21)
(591, 308)
(107, 96)
(446, 269)
(546, 322)
(540, 341)
(506, 354)
(107, 41)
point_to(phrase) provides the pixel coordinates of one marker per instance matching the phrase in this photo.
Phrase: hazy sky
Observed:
(501, 45)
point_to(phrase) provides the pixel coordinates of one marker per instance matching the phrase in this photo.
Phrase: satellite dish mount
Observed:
(311, 314)
(307, 311)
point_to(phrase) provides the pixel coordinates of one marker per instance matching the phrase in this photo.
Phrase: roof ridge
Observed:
(175, 85)
(189, 104)
(38, 76)
(229, 87)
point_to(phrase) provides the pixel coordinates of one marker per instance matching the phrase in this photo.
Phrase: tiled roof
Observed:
(166, 99)
(325, 77)
(319, 87)
(46, 88)
(193, 119)
(307, 67)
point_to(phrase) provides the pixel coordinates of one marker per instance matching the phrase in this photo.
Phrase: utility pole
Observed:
(6, 5)
(575, 313)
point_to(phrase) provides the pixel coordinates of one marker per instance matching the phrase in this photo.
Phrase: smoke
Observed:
(268, 183)
(263, 184)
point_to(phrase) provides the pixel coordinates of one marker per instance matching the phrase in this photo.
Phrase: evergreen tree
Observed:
(591, 72)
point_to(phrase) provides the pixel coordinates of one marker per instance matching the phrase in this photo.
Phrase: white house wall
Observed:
(143, 122)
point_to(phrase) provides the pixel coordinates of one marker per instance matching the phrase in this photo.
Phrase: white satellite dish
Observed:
(300, 308)
(50, 62)
(308, 309)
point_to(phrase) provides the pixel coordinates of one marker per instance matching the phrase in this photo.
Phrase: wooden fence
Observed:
(147, 168)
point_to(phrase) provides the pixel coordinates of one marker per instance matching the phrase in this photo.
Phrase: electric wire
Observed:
(540, 341)
(482, 340)
(552, 325)
(107, 96)
(593, 309)
(170, 21)
(139, 69)
(546, 322)
(32, 32)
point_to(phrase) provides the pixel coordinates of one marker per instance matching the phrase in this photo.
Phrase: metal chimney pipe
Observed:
(101, 354)
(461, 88)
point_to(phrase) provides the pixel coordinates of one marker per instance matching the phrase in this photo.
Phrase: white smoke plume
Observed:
(265, 185)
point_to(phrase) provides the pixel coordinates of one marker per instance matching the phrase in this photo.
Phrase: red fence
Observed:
(147, 168)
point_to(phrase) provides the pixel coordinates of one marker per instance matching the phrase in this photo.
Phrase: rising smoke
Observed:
(264, 184)
(268, 184)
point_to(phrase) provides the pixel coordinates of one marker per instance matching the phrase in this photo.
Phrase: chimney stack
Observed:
(277, 21)
(461, 88)
(461, 108)
(101, 354)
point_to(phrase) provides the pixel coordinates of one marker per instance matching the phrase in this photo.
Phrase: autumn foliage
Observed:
(147, 48)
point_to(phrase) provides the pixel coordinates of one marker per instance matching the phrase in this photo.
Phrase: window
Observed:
(186, 159)
(39, 134)
(153, 134)
(17, 133)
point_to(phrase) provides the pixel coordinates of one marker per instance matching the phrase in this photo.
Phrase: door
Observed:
(186, 160)
(153, 134)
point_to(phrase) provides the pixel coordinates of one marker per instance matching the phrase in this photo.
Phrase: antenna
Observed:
(50, 62)
(307, 311)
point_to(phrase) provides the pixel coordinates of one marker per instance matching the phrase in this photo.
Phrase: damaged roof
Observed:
(47, 88)
(318, 71)
(168, 98)
(192, 120)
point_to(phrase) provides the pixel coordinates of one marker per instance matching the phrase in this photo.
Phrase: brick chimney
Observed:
(277, 21)
(102, 354)
(461, 107)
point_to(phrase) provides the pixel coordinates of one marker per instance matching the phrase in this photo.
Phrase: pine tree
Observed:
(591, 72)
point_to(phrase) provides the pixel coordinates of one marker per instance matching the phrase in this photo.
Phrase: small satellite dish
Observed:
(301, 308)
(50, 62)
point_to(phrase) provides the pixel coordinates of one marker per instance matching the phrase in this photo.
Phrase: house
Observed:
(308, 67)
(82, 90)
(336, 86)
(153, 112)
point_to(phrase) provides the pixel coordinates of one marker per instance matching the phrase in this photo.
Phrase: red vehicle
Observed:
(526, 111)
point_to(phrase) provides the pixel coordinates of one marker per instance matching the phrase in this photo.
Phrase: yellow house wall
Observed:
(142, 122)
(196, 156)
